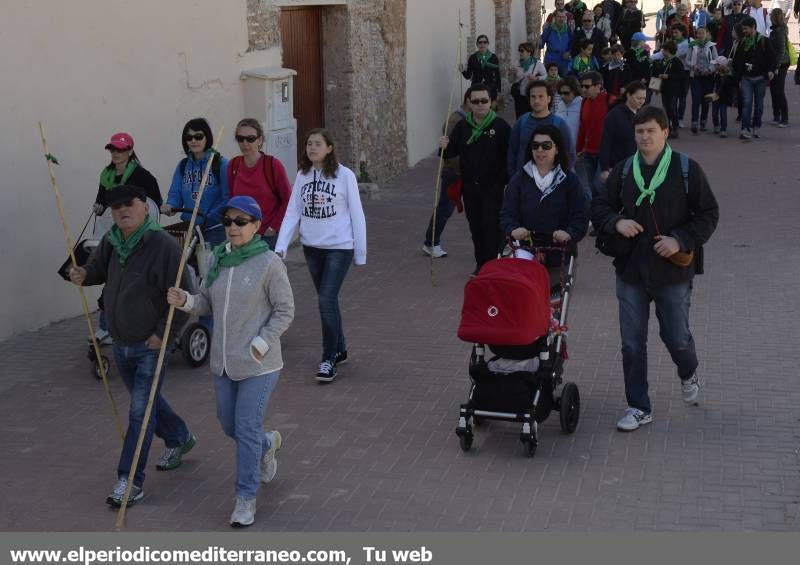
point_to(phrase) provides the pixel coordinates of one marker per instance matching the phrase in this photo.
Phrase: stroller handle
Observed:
(538, 242)
(202, 216)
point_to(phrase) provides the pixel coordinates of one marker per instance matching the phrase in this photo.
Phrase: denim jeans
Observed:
(719, 115)
(701, 85)
(328, 268)
(443, 211)
(137, 366)
(240, 410)
(587, 169)
(672, 310)
(753, 91)
(684, 93)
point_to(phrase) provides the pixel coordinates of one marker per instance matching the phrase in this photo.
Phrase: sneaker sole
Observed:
(320, 379)
(643, 422)
(111, 501)
(273, 449)
(185, 448)
(242, 524)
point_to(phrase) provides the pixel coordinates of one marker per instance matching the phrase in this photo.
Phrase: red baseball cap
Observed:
(120, 140)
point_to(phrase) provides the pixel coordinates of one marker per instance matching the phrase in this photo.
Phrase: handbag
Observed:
(792, 53)
(80, 252)
(655, 84)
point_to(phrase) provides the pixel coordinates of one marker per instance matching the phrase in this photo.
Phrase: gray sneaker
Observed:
(116, 496)
(632, 419)
(244, 512)
(173, 456)
(690, 389)
(269, 465)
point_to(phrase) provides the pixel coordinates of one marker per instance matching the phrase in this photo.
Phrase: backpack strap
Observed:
(626, 168)
(685, 171)
(270, 177)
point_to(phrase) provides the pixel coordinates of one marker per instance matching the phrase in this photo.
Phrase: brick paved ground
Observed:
(376, 450)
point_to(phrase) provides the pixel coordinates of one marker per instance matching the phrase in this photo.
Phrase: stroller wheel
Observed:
(529, 444)
(570, 407)
(96, 367)
(465, 441)
(195, 344)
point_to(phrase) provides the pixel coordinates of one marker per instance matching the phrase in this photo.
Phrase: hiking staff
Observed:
(165, 341)
(68, 239)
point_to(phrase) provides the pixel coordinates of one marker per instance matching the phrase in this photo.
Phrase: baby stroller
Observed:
(511, 308)
(195, 339)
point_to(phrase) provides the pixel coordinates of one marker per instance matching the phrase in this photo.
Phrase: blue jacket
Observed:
(184, 187)
(556, 44)
(521, 134)
(562, 206)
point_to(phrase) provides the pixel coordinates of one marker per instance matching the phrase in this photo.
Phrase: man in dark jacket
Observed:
(587, 30)
(664, 215)
(631, 21)
(618, 141)
(480, 141)
(725, 33)
(756, 59)
(138, 262)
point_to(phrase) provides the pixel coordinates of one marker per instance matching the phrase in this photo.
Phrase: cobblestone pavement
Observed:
(375, 450)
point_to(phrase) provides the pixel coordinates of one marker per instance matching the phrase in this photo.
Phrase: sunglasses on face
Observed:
(247, 138)
(194, 136)
(122, 204)
(115, 150)
(479, 100)
(543, 145)
(241, 222)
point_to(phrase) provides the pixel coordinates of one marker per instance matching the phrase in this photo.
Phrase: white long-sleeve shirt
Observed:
(328, 213)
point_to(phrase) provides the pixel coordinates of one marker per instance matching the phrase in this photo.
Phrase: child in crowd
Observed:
(701, 66)
(552, 74)
(584, 61)
(615, 74)
(724, 95)
(671, 73)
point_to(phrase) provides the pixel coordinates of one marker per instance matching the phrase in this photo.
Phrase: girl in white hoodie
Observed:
(326, 207)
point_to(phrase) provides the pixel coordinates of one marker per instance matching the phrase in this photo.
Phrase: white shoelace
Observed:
(325, 367)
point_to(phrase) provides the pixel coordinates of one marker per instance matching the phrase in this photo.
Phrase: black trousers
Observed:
(777, 89)
(482, 205)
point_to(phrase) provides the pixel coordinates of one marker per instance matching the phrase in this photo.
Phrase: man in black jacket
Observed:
(588, 31)
(630, 21)
(480, 141)
(138, 262)
(756, 60)
(661, 203)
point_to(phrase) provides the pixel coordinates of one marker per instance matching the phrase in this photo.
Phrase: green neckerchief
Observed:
(236, 256)
(527, 63)
(698, 43)
(749, 42)
(559, 29)
(109, 174)
(576, 7)
(580, 66)
(640, 54)
(477, 128)
(124, 247)
(658, 176)
(483, 59)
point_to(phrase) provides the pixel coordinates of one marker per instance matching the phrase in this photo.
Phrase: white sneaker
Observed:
(436, 251)
(103, 337)
(632, 419)
(244, 512)
(269, 465)
(690, 389)
(680, 123)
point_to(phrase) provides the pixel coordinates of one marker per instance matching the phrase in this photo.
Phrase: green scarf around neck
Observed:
(109, 174)
(749, 42)
(478, 128)
(640, 54)
(236, 256)
(658, 177)
(527, 63)
(124, 247)
(699, 43)
(559, 29)
(483, 59)
(581, 66)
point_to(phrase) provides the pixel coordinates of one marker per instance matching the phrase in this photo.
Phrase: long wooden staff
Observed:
(438, 185)
(165, 340)
(68, 239)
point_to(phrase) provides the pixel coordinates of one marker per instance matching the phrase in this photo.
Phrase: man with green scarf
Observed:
(480, 141)
(138, 262)
(660, 201)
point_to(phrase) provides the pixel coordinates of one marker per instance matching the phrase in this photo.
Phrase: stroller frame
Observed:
(549, 390)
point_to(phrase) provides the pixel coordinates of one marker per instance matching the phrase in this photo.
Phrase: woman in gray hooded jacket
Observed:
(778, 38)
(248, 292)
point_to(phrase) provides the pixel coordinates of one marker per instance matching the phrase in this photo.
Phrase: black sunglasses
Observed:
(241, 222)
(544, 145)
(120, 204)
(195, 136)
(113, 149)
(247, 138)
(479, 100)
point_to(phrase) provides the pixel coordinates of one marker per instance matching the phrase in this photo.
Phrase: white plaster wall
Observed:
(87, 69)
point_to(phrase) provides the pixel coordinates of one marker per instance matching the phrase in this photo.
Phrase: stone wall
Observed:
(263, 25)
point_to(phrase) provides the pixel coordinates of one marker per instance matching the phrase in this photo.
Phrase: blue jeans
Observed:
(753, 91)
(701, 85)
(719, 115)
(328, 268)
(587, 169)
(137, 366)
(443, 211)
(672, 309)
(240, 410)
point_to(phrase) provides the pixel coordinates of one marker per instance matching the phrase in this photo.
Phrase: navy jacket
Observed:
(618, 141)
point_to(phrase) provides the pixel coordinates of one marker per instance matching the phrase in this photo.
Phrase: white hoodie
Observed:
(328, 213)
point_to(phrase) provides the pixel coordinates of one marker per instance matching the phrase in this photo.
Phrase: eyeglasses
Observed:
(479, 100)
(247, 138)
(239, 221)
(113, 149)
(121, 204)
(543, 145)
(196, 136)
(590, 85)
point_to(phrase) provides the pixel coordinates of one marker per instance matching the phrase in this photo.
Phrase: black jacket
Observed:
(616, 79)
(756, 62)
(135, 295)
(639, 70)
(141, 178)
(482, 162)
(628, 23)
(618, 142)
(598, 40)
(688, 217)
(490, 76)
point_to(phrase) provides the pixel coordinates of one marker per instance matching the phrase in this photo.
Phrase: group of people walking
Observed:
(252, 217)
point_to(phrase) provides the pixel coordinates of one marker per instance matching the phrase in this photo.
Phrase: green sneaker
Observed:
(173, 456)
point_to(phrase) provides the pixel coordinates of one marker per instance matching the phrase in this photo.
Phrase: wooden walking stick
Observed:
(165, 340)
(438, 185)
(68, 239)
